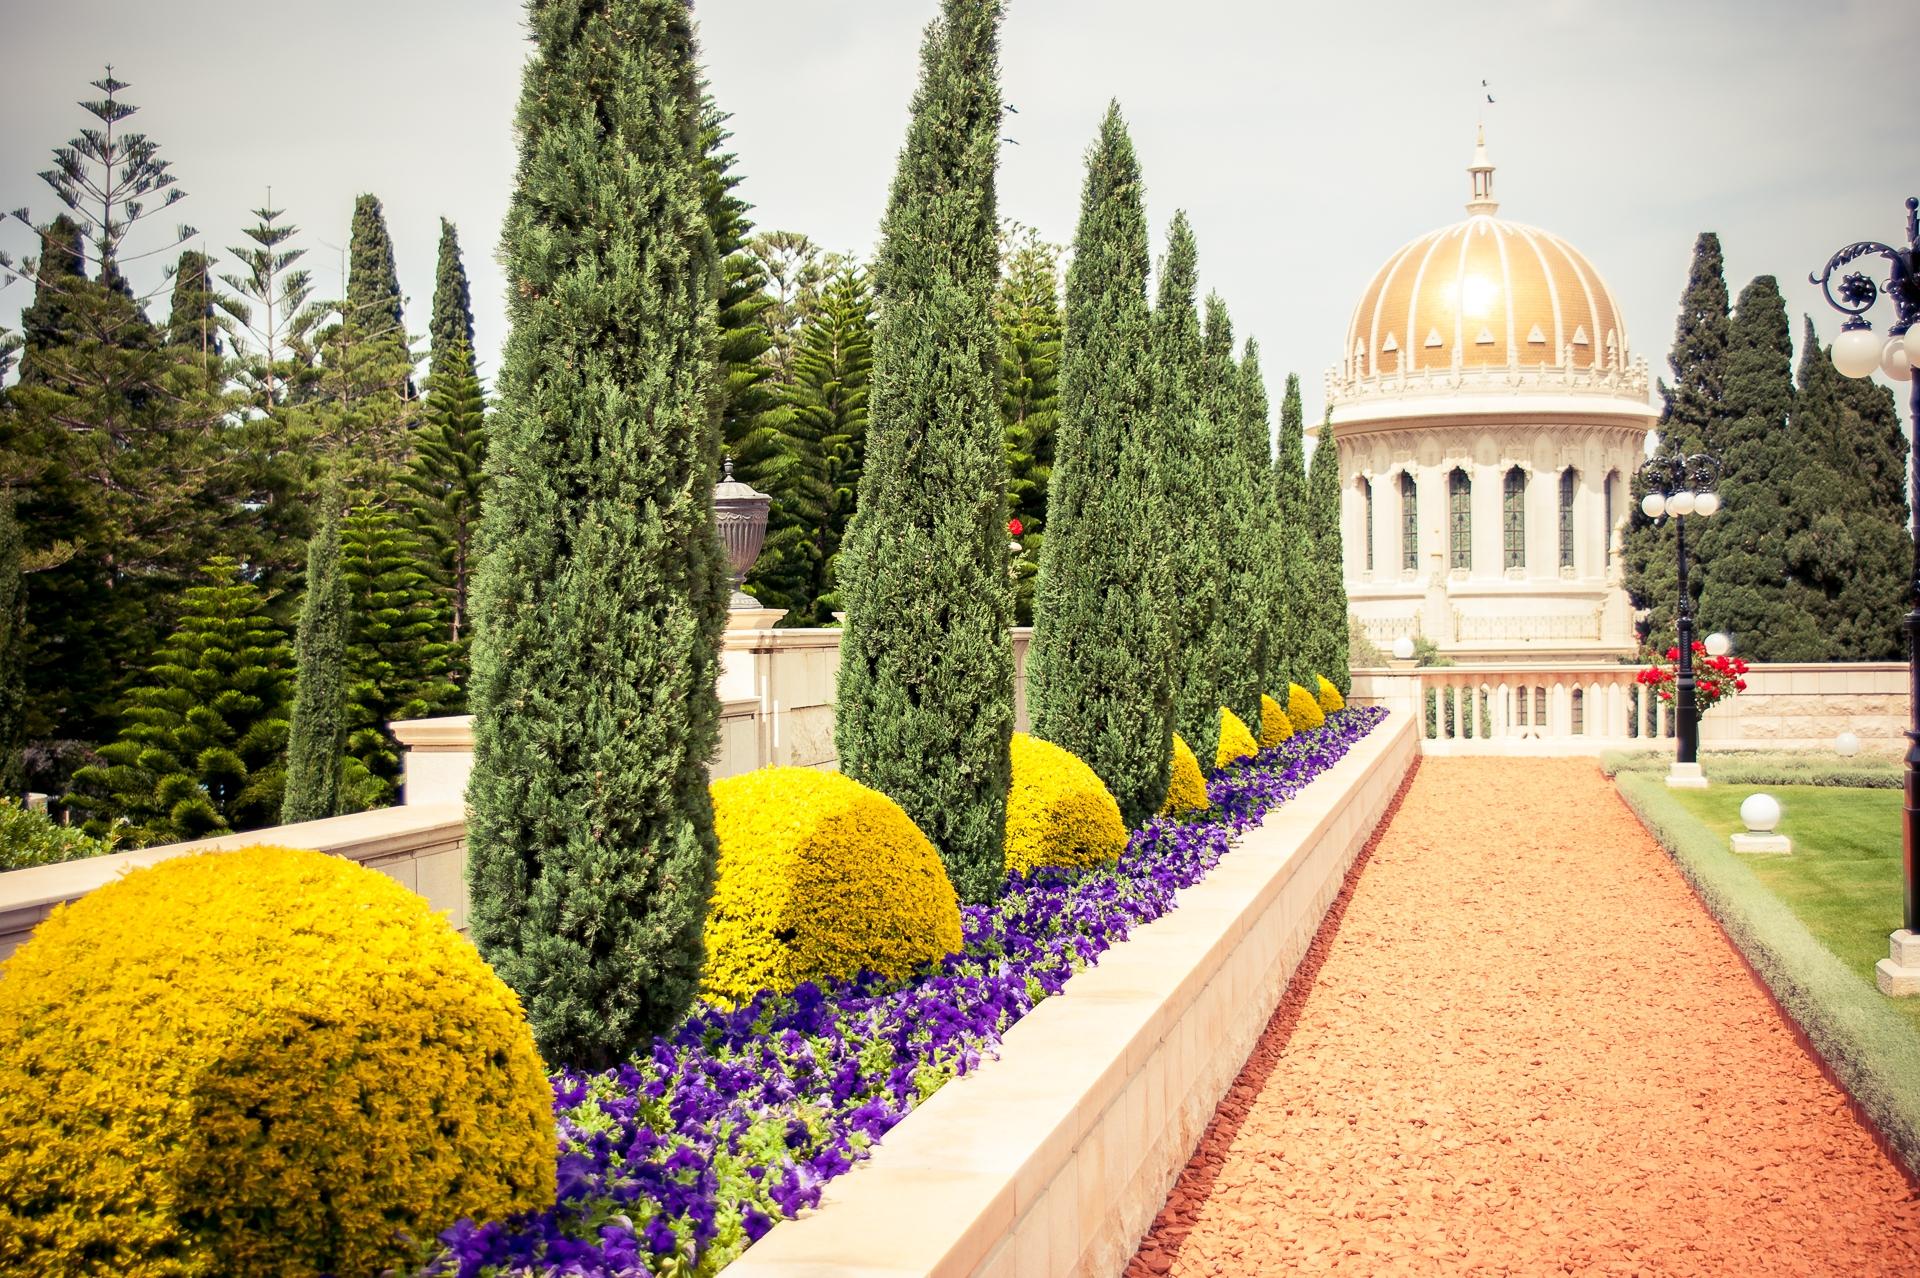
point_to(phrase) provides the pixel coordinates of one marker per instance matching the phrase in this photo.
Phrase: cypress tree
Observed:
(1029, 306)
(1745, 542)
(451, 329)
(192, 320)
(1100, 671)
(1692, 420)
(200, 743)
(1185, 474)
(1250, 506)
(317, 739)
(602, 594)
(1293, 620)
(1327, 645)
(398, 653)
(1230, 497)
(44, 323)
(925, 708)
(445, 487)
(13, 618)
(832, 366)
(373, 281)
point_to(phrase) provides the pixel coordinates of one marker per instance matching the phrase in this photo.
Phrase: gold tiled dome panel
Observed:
(1489, 294)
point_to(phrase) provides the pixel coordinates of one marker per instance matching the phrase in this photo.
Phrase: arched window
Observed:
(1613, 482)
(1569, 479)
(1366, 514)
(1513, 517)
(1459, 521)
(1409, 523)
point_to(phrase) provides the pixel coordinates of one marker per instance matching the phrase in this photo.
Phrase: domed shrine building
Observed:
(1489, 416)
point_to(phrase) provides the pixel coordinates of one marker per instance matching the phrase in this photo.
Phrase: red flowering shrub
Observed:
(1714, 678)
(1015, 527)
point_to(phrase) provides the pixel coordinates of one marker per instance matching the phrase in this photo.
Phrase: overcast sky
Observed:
(1306, 142)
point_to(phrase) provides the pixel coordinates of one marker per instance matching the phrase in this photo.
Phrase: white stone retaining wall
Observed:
(1053, 1160)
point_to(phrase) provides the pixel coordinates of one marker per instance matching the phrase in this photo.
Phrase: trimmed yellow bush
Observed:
(1236, 740)
(1302, 710)
(1059, 813)
(1188, 792)
(265, 1062)
(1329, 696)
(1275, 727)
(819, 877)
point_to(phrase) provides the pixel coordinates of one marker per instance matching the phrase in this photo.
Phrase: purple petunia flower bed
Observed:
(676, 1162)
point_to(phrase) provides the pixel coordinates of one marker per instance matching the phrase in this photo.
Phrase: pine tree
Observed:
(317, 739)
(1294, 620)
(1692, 421)
(832, 366)
(445, 488)
(1251, 510)
(1029, 310)
(1327, 602)
(794, 270)
(925, 708)
(1185, 474)
(1100, 671)
(602, 594)
(451, 328)
(398, 653)
(13, 652)
(200, 744)
(1744, 594)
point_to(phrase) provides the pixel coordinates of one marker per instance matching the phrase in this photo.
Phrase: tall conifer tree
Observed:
(445, 489)
(602, 594)
(373, 281)
(1185, 470)
(832, 367)
(1029, 306)
(1293, 663)
(193, 322)
(13, 652)
(1100, 671)
(317, 737)
(1328, 599)
(925, 709)
(451, 329)
(1692, 421)
(1236, 629)
(1254, 550)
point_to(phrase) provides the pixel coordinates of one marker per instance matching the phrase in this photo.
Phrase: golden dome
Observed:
(1481, 296)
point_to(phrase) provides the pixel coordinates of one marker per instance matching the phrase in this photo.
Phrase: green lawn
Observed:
(1843, 878)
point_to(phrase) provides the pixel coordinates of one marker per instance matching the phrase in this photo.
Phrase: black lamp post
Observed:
(1857, 353)
(1679, 486)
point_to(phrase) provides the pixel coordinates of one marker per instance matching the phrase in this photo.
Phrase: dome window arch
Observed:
(1365, 489)
(1513, 519)
(1569, 483)
(1459, 521)
(1409, 523)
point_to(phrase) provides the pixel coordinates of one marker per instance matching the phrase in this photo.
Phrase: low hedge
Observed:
(1866, 1043)
(1768, 767)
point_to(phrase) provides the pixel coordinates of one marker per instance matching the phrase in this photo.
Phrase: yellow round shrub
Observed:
(265, 1062)
(1188, 791)
(1059, 813)
(1236, 740)
(1329, 696)
(1302, 710)
(819, 877)
(1275, 727)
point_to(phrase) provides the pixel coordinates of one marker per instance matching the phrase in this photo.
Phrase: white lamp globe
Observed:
(1653, 505)
(1760, 813)
(1680, 504)
(1846, 745)
(1856, 352)
(1403, 648)
(1718, 645)
(1893, 359)
(1913, 345)
(1706, 504)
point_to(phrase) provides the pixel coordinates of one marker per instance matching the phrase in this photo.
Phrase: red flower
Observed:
(1673, 654)
(1013, 526)
(1740, 684)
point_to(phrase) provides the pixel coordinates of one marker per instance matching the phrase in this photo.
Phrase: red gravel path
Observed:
(1528, 1050)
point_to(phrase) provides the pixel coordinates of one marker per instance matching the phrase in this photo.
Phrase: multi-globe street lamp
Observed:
(1682, 486)
(1858, 352)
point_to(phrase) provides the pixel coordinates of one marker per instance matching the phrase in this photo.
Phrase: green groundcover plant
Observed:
(1769, 767)
(29, 837)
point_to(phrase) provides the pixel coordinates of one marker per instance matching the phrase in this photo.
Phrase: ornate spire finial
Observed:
(1481, 171)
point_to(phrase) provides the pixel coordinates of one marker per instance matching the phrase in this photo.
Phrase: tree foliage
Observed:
(1030, 335)
(925, 712)
(1251, 518)
(1326, 646)
(450, 332)
(317, 736)
(1292, 616)
(599, 603)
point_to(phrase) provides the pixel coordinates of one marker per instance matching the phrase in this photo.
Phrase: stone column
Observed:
(1430, 486)
(1543, 525)
(1489, 559)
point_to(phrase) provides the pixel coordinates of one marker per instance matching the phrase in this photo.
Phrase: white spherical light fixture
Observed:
(1680, 503)
(1706, 504)
(1718, 645)
(1653, 505)
(1856, 352)
(1846, 745)
(1760, 813)
(1403, 648)
(1893, 360)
